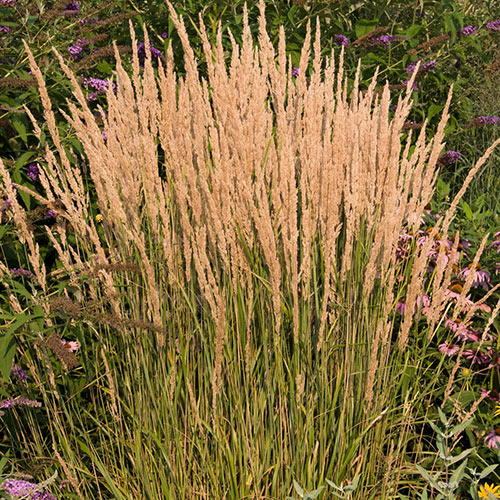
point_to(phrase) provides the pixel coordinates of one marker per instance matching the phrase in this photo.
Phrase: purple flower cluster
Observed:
(5, 205)
(385, 40)
(340, 40)
(11, 402)
(51, 214)
(75, 50)
(90, 20)
(295, 72)
(141, 52)
(453, 156)
(21, 272)
(490, 120)
(9, 2)
(450, 157)
(72, 6)
(18, 488)
(19, 373)
(493, 25)
(4, 29)
(468, 30)
(426, 67)
(164, 35)
(100, 87)
(32, 172)
(414, 87)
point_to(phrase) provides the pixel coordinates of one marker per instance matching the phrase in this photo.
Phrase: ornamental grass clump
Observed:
(243, 279)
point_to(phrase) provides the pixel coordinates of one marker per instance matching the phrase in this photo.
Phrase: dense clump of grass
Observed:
(241, 333)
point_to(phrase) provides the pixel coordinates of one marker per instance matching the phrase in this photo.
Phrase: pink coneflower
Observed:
(72, 346)
(476, 356)
(496, 243)
(492, 440)
(492, 395)
(448, 348)
(461, 331)
(481, 277)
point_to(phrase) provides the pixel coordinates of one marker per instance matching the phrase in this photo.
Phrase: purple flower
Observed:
(468, 30)
(100, 87)
(385, 40)
(18, 488)
(481, 277)
(164, 35)
(80, 44)
(11, 402)
(448, 349)
(6, 204)
(426, 67)
(493, 25)
(51, 214)
(9, 2)
(453, 156)
(21, 272)
(492, 395)
(414, 87)
(141, 52)
(492, 440)
(295, 72)
(490, 120)
(32, 171)
(72, 6)
(18, 372)
(476, 356)
(340, 40)
(429, 66)
(449, 157)
(89, 20)
(4, 29)
(496, 243)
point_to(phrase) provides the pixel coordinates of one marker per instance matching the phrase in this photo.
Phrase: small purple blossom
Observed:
(295, 72)
(11, 402)
(6, 204)
(100, 87)
(72, 6)
(468, 30)
(19, 488)
(490, 120)
(414, 87)
(51, 214)
(426, 67)
(492, 440)
(81, 43)
(4, 29)
(33, 172)
(19, 373)
(164, 35)
(493, 25)
(141, 52)
(385, 40)
(9, 2)
(453, 156)
(450, 157)
(340, 40)
(21, 272)
(89, 20)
